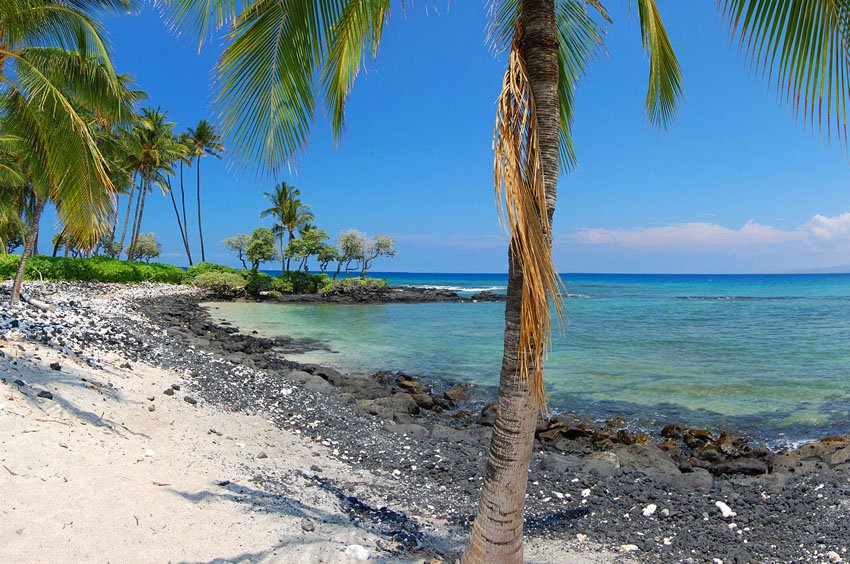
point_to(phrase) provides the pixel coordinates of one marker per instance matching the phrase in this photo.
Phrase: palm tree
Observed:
(290, 214)
(267, 94)
(53, 63)
(203, 141)
(155, 150)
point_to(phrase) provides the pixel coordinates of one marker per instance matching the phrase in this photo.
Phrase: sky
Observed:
(736, 184)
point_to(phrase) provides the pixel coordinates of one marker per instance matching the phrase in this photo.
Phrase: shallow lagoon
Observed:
(769, 355)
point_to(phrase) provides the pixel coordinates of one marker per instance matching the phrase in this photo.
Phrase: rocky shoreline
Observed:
(689, 495)
(387, 295)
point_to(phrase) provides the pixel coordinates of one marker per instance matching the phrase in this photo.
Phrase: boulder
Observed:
(457, 392)
(309, 382)
(452, 435)
(672, 432)
(488, 415)
(424, 400)
(557, 464)
(387, 406)
(648, 460)
(746, 466)
(699, 480)
(413, 387)
(601, 463)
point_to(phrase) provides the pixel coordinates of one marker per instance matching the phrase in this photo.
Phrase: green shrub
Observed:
(282, 285)
(257, 283)
(100, 269)
(222, 283)
(274, 294)
(350, 285)
(204, 267)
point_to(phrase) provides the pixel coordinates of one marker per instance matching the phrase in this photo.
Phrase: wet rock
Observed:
(672, 432)
(696, 438)
(19, 382)
(413, 387)
(424, 400)
(488, 415)
(457, 393)
(310, 382)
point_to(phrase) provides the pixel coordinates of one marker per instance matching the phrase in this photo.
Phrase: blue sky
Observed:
(735, 185)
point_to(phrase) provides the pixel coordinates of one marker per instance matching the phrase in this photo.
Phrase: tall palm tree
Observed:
(267, 94)
(204, 141)
(290, 214)
(53, 62)
(154, 153)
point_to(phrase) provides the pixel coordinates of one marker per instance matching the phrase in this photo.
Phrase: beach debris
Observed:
(649, 510)
(358, 551)
(149, 453)
(45, 394)
(307, 525)
(585, 492)
(725, 511)
(581, 538)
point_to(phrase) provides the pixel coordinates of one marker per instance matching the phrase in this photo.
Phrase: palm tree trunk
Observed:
(497, 532)
(29, 246)
(126, 220)
(180, 224)
(137, 228)
(282, 257)
(291, 237)
(200, 228)
(183, 202)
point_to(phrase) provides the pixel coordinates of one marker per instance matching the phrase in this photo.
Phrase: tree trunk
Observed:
(137, 227)
(183, 204)
(200, 229)
(180, 224)
(282, 257)
(497, 532)
(338, 268)
(291, 237)
(126, 221)
(29, 246)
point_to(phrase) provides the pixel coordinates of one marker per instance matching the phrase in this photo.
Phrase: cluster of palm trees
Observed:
(152, 155)
(71, 135)
(290, 214)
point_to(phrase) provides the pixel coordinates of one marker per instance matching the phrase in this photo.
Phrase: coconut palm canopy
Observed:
(55, 67)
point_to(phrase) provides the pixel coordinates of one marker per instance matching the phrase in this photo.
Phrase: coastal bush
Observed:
(351, 285)
(304, 282)
(99, 269)
(204, 267)
(226, 284)
(258, 282)
(282, 285)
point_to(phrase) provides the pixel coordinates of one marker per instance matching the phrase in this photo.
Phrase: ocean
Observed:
(768, 355)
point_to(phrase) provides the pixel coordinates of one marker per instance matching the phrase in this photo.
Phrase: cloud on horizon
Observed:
(818, 234)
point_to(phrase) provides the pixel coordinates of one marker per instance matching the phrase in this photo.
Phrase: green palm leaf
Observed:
(665, 77)
(803, 46)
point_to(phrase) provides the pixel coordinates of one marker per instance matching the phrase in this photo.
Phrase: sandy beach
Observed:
(110, 458)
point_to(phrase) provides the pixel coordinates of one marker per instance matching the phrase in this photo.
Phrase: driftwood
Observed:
(43, 306)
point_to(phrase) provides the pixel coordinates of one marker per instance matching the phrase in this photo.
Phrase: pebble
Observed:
(55, 366)
(834, 556)
(190, 400)
(725, 511)
(262, 454)
(358, 552)
(307, 525)
(626, 548)
(649, 510)
(149, 453)
(152, 407)
(168, 391)
(45, 394)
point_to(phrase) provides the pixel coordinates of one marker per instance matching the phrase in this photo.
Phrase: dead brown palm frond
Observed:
(521, 199)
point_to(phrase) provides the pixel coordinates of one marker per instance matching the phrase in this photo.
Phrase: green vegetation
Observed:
(100, 269)
(350, 285)
(203, 267)
(225, 284)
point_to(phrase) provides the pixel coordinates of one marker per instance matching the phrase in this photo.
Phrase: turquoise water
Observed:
(769, 355)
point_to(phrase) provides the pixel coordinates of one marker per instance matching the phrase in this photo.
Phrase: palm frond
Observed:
(355, 34)
(521, 198)
(665, 77)
(802, 45)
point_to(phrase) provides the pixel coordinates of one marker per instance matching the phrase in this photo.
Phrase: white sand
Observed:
(94, 476)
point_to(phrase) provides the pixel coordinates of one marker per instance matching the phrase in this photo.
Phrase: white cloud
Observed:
(695, 235)
(830, 228)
